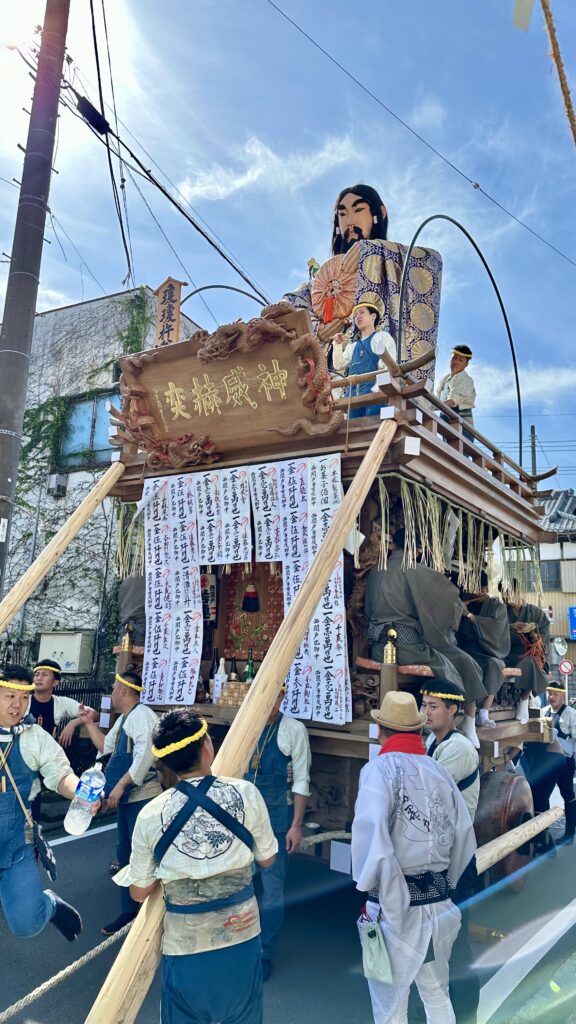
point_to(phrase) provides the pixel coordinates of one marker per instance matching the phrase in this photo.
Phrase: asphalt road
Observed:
(317, 974)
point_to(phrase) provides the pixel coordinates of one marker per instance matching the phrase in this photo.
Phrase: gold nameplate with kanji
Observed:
(227, 392)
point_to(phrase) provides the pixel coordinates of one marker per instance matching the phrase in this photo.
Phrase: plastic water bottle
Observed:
(88, 791)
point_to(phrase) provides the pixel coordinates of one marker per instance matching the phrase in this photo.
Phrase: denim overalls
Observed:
(26, 907)
(364, 360)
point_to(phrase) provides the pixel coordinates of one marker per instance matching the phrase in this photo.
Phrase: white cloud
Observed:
(542, 386)
(428, 113)
(258, 166)
(52, 298)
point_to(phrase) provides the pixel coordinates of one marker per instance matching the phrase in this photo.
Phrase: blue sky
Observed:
(260, 131)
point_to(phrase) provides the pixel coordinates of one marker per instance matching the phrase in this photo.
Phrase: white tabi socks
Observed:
(468, 728)
(484, 720)
(522, 713)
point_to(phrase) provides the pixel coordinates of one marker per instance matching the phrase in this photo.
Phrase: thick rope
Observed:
(557, 59)
(37, 993)
(310, 841)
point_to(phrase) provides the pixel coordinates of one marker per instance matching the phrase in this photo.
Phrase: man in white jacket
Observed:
(456, 389)
(412, 838)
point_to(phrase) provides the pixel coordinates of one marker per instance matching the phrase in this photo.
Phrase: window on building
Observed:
(86, 442)
(550, 575)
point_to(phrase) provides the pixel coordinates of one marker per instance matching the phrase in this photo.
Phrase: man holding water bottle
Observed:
(130, 779)
(27, 754)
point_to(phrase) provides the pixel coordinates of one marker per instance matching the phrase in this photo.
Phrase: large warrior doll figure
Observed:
(366, 268)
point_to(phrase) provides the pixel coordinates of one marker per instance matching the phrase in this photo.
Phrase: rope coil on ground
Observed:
(46, 986)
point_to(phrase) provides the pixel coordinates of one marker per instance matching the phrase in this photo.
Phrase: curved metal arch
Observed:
(451, 220)
(227, 287)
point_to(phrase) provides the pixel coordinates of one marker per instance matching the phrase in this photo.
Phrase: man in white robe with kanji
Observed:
(412, 838)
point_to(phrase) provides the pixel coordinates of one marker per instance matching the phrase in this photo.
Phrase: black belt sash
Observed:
(469, 780)
(429, 887)
(197, 797)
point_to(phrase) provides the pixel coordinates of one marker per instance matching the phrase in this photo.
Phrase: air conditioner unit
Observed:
(57, 485)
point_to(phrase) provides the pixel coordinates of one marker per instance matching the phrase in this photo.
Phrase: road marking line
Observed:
(512, 973)
(85, 835)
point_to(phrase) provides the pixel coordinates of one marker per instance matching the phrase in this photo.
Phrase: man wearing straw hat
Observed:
(28, 753)
(130, 779)
(412, 839)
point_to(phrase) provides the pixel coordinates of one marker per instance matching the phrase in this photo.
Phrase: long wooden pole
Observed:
(27, 583)
(133, 971)
(500, 847)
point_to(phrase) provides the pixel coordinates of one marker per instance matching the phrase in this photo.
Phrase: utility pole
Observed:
(26, 257)
(534, 468)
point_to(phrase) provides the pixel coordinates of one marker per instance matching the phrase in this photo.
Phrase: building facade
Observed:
(74, 374)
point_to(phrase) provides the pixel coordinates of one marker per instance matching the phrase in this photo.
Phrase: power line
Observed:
(416, 134)
(169, 243)
(78, 253)
(85, 84)
(122, 181)
(130, 274)
(88, 110)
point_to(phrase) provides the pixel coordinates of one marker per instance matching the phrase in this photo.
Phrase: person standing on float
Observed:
(363, 355)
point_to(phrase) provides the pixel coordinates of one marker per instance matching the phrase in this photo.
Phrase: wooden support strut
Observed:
(133, 971)
(27, 583)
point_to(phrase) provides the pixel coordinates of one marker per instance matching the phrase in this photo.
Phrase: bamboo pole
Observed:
(133, 971)
(27, 583)
(396, 369)
(499, 848)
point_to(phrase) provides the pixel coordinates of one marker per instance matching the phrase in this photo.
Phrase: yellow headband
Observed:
(133, 686)
(443, 696)
(180, 744)
(464, 355)
(47, 668)
(364, 305)
(11, 685)
(557, 689)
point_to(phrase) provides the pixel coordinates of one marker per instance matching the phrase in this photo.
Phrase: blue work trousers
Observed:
(223, 985)
(127, 814)
(272, 899)
(26, 906)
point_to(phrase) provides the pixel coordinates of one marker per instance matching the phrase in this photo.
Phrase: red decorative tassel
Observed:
(329, 309)
(250, 602)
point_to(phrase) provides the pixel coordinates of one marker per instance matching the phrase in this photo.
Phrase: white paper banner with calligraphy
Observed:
(223, 507)
(174, 621)
(266, 511)
(302, 495)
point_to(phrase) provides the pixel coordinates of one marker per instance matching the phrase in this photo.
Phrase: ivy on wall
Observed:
(80, 592)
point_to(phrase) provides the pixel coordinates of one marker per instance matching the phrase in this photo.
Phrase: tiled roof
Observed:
(560, 514)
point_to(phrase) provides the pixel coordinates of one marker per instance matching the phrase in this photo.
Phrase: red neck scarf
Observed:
(404, 743)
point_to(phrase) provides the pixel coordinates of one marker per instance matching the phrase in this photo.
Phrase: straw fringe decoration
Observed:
(428, 522)
(129, 558)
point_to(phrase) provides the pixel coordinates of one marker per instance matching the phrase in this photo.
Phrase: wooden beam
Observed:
(27, 583)
(131, 975)
(492, 852)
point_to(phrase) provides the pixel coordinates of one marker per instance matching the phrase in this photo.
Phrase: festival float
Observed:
(242, 463)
